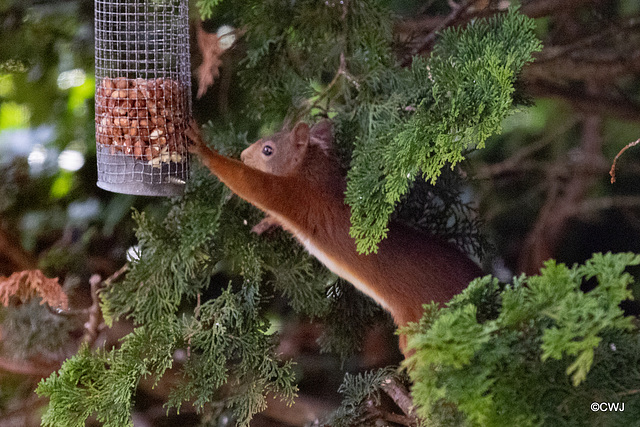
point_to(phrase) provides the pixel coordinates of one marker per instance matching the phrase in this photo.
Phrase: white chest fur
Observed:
(331, 261)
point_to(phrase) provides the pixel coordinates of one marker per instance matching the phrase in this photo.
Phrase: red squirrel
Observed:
(294, 178)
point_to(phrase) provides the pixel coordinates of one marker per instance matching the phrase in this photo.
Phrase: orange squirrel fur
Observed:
(293, 177)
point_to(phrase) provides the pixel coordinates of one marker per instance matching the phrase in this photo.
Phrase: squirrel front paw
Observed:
(195, 144)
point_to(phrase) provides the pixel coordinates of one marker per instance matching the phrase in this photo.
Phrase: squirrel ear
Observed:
(301, 134)
(322, 133)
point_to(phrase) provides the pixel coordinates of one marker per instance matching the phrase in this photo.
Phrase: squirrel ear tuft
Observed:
(322, 134)
(301, 134)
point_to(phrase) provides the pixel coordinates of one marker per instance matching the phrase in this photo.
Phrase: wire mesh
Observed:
(143, 95)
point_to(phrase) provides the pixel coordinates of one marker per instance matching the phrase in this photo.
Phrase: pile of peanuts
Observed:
(142, 118)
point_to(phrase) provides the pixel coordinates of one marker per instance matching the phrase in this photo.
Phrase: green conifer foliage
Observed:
(225, 337)
(463, 92)
(356, 389)
(303, 58)
(537, 352)
(393, 123)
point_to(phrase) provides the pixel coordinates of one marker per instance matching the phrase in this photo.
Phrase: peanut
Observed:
(142, 118)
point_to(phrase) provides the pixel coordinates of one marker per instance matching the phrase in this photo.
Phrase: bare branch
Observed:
(540, 8)
(95, 315)
(564, 198)
(456, 12)
(23, 367)
(95, 323)
(519, 161)
(15, 253)
(401, 396)
(589, 103)
(612, 172)
(603, 203)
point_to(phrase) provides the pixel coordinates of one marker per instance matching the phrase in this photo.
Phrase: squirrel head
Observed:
(284, 152)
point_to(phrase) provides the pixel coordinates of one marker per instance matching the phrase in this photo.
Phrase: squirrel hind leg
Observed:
(268, 224)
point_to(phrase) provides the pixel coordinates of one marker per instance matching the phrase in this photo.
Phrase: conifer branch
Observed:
(573, 337)
(404, 122)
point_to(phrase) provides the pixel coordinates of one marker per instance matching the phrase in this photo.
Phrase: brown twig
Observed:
(540, 8)
(401, 396)
(20, 259)
(23, 367)
(95, 314)
(115, 276)
(603, 203)
(533, 9)
(94, 324)
(612, 172)
(519, 158)
(306, 410)
(564, 197)
(456, 12)
(196, 314)
(376, 413)
(398, 419)
(341, 72)
(604, 104)
(629, 392)
(552, 52)
(598, 64)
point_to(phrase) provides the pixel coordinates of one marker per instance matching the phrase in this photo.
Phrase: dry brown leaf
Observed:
(29, 284)
(210, 48)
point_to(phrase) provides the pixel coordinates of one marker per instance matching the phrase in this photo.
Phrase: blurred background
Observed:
(542, 188)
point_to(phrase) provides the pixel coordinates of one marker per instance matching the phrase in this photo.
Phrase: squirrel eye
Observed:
(267, 150)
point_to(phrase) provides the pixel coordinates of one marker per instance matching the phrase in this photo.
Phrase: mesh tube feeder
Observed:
(143, 95)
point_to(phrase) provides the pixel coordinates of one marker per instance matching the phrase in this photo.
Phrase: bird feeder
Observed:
(143, 95)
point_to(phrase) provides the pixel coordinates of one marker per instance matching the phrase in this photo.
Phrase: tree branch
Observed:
(589, 64)
(376, 413)
(588, 103)
(564, 197)
(23, 367)
(540, 8)
(612, 172)
(448, 20)
(95, 324)
(603, 203)
(519, 161)
(304, 411)
(401, 396)
(559, 71)
(95, 315)
(432, 24)
(552, 52)
(15, 253)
